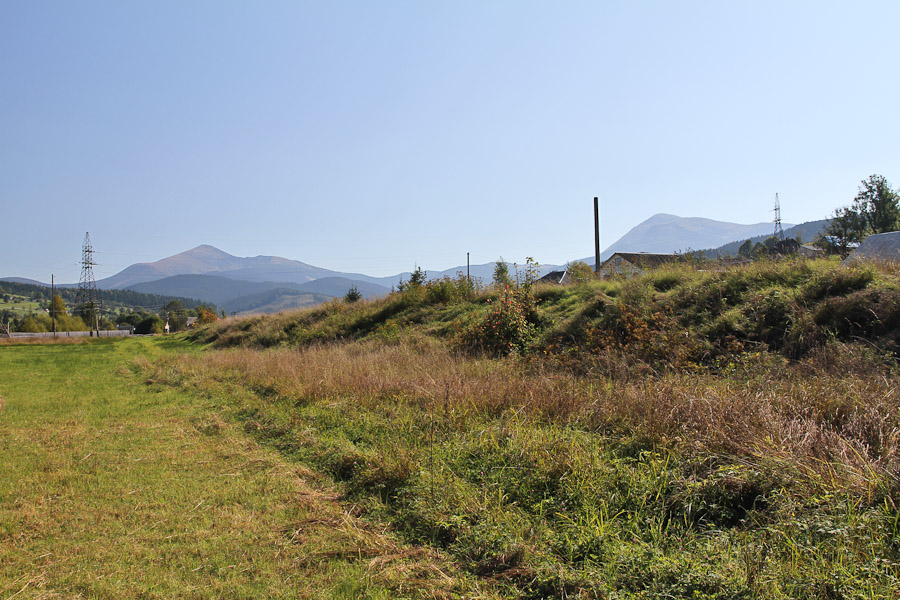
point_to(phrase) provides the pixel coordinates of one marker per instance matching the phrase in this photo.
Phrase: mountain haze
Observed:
(221, 290)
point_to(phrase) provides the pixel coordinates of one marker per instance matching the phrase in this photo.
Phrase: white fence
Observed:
(62, 334)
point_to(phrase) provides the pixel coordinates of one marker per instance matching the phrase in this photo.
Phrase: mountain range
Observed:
(272, 283)
(664, 233)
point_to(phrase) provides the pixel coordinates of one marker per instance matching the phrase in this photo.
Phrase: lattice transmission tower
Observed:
(87, 302)
(779, 232)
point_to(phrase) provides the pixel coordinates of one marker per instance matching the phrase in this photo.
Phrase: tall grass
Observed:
(838, 403)
(559, 483)
(710, 434)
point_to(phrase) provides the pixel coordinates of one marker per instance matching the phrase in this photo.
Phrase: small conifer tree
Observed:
(352, 295)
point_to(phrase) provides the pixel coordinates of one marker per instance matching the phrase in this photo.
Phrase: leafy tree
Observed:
(58, 307)
(152, 324)
(206, 314)
(580, 272)
(770, 242)
(875, 209)
(878, 205)
(846, 229)
(531, 272)
(32, 324)
(760, 250)
(131, 318)
(501, 278)
(746, 249)
(70, 323)
(175, 312)
(353, 295)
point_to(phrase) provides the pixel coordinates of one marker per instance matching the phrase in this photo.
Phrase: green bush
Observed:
(450, 291)
(506, 328)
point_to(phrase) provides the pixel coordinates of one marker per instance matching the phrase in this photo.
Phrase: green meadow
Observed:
(114, 488)
(20, 306)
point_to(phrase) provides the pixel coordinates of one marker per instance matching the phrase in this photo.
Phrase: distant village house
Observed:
(879, 247)
(558, 277)
(634, 263)
(810, 251)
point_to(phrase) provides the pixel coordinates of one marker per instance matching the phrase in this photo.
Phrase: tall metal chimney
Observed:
(596, 235)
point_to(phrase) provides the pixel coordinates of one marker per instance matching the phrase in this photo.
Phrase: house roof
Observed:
(878, 246)
(553, 277)
(645, 260)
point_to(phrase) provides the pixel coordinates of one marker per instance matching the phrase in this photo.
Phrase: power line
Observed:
(88, 301)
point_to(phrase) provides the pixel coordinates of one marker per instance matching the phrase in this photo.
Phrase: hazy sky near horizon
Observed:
(374, 136)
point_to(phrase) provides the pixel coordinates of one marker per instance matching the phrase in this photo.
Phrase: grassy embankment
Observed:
(683, 434)
(112, 488)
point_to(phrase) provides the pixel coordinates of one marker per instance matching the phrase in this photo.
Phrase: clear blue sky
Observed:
(373, 136)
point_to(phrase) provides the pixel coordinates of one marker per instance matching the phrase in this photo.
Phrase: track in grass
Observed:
(112, 488)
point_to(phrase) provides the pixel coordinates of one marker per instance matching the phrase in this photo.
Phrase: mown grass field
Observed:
(113, 488)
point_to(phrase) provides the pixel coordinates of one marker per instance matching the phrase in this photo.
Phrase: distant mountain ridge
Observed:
(209, 274)
(665, 234)
(206, 259)
(661, 233)
(24, 280)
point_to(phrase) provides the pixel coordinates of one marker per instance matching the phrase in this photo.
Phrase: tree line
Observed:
(147, 313)
(124, 298)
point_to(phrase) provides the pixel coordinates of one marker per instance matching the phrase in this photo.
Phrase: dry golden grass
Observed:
(833, 415)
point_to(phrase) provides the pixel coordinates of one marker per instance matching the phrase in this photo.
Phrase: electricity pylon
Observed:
(87, 303)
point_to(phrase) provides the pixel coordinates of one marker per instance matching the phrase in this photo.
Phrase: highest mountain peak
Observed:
(207, 250)
(209, 260)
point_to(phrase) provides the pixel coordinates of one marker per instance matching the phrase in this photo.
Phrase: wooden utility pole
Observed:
(52, 298)
(596, 235)
(468, 277)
